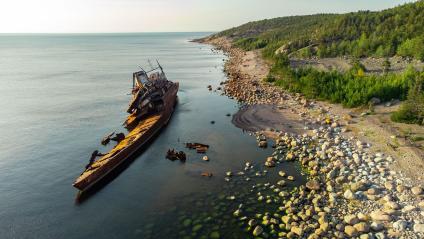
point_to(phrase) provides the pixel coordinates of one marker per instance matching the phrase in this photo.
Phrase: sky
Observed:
(85, 16)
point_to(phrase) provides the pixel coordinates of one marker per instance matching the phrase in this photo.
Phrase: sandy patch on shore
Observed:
(343, 64)
(266, 117)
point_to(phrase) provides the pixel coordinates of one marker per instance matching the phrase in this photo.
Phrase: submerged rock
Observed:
(197, 227)
(187, 222)
(257, 231)
(214, 235)
(252, 222)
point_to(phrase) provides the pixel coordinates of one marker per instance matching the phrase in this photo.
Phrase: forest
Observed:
(396, 31)
(393, 32)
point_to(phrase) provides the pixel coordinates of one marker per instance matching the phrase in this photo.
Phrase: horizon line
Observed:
(136, 32)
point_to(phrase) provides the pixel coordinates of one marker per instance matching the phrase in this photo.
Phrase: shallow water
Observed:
(60, 94)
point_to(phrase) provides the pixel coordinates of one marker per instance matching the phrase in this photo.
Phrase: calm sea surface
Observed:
(60, 94)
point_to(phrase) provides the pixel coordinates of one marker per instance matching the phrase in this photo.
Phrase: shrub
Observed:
(412, 110)
(351, 89)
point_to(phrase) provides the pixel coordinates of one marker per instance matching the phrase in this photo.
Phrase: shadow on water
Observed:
(83, 196)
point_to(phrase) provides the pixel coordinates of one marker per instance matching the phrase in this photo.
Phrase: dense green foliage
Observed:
(412, 110)
(352, 88)
(399, 30)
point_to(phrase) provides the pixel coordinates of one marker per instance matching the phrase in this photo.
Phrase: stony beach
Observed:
(353, 188)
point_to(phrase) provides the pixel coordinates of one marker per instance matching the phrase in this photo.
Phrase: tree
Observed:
(412, 110)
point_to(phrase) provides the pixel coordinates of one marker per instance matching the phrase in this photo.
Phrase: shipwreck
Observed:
(153, 101)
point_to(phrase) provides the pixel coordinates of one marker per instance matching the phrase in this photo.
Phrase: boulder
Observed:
(362, 227)
(351, 219)
(377, 226)
(419, 228)
(270, 164)
(380, 216)
(392, 205)
(257, 231)
(389, 186)
(313, 185)
(400, 225)
(262, 144)
(362, 217)
(409, 208)
(374, 101)
(297, 230)
(359, 186)
(286, 219)
(252, 222)
(349, 195)
(351, 231)
(417, 190)
(281, 183)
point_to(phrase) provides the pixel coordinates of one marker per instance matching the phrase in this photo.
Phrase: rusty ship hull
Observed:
(141, 133)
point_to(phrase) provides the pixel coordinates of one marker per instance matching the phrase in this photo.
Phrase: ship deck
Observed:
(136, 133)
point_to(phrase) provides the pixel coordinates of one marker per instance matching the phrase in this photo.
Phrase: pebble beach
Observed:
(351, 189)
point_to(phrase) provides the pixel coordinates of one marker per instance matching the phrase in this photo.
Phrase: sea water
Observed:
(60, 94)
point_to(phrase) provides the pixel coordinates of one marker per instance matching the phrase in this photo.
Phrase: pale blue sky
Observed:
(161, 15)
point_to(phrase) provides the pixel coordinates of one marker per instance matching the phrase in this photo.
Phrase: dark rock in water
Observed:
(262, 144)
(175, 155)
(207, 174)
(270, 162)
(196, 145)
(212, 122)
(200, 148)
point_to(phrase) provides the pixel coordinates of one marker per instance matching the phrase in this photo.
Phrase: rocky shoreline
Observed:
(352, 190)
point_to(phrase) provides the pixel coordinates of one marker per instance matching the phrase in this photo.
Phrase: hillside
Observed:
(350, 58)
(396, 31)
